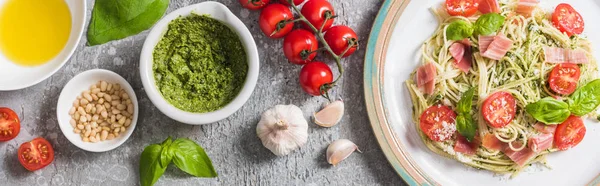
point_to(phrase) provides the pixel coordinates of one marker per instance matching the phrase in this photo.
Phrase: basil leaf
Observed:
(586, 99)
(166, 154)
(150, 168)
(466, 126)
(489, 23)
(466, 102)
(459, 30)
(191, 158)
(549, 110)
(117, 19)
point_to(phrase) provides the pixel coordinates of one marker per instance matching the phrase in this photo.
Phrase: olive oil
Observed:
(32, 32)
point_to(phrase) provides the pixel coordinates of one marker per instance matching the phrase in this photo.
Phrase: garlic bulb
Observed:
(330, 115)
(282, 129)
(340, 150)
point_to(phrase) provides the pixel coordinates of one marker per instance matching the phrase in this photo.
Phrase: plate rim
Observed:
(373, 78)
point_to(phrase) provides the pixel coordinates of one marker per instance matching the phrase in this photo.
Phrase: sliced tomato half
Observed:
(36, 154)
(10, 126)
(464, 8)
(564, 77)
(499, 109)
(567, 19)
(569, 133)
(438, 122)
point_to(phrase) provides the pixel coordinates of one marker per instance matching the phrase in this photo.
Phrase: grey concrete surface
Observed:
(236, 151)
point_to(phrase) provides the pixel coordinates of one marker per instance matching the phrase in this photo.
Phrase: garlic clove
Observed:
(340, 150)
(330, 115)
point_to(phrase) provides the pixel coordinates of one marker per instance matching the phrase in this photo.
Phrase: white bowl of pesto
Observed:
(203, 67)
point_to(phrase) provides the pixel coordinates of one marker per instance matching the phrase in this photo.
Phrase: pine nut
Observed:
(87, 133)
(94, 97)
(72, 111)
(115, 103)
(130, 108)
(88, 96)
(76, 103)
(104, 114)
(115, 97)
(116, 111)
(125, 95)
(83, 119)
(105, 129)
(81, 110)
(76, 131)
(122, 121)
(88, 127)
(76, 116)
(121, 107)
(112, 118)
(122, 129)
(93, 139)
(110, 137)
(83, 102)
(107, 97)
(117, 130)
(106, 105)
(119, 116)
(104, 124)
(86, 139)
(95, 90)
(88, 117)
(80, 126)
(127, 122)
(103, 85)
(73, 122)
(109, 87)
(101, 100)
(88, 108)
(104, 135)
(94, 124)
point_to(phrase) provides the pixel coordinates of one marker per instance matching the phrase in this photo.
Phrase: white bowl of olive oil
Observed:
(37, 38)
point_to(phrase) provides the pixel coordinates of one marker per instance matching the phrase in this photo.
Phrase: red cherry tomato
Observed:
(299, 46)
(567, 19)
(36, 154)
(464, 8)
(314, 75)
(274, 20)
(569, 133)
(564, 77)
(254, 4)
(316, 11)
(499, 109)
(438, 122)
(339, 38)
(10, 126)
(296, 2)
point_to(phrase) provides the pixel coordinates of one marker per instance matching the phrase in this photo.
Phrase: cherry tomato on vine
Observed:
(564, 77)
(36, 154)
(317, 11)
(10, 126)
(567, 19)
(313, 76)
(340, 38)
(296, 2)
(299, 46)
(275, 19)
(254, 4)
(464, 8)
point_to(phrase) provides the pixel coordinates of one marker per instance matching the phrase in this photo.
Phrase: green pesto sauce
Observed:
(200, 64)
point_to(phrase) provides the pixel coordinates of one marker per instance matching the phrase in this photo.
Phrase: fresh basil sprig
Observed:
(549, 110)
(184, 153)
(488, 23)
(118, 19)
(485, 25)
(465, 125)
(585, 99)
(458, 30)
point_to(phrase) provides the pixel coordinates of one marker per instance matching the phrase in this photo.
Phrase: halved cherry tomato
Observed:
(339, 38)
(564, 77)
(464, 8)
(254, 4)
(567, 19)
(36, 154)
(10, 126)
(569, 133)
(499, 109)
(296, 2)
(299, 46)
(316, 12)
(438, 122)
(314, 75)
(275, 20)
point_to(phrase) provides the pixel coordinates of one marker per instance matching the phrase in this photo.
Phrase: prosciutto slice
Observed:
(561, 55)
(545, 129)
(541, 142)
(490, 142)
(462, 55)
(466, 147)
(525, 7)
(498, 48)
(484, 43)
(489, 6)
(520, 157)
(425, 78)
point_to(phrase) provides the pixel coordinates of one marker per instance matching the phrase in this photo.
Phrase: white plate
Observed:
(74, 88)
(577, 166)
(14, 77)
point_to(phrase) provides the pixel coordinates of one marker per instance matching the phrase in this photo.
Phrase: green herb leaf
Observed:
(465, 125)
(586, 99)
(488, 23)
(166, 155)
(150, 168)
(117, 19)
(466, 102)
(459, 30)
(549, 111)
(191, 158)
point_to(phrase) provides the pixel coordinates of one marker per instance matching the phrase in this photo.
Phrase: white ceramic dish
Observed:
(222, 13)
(14, 77)
(75, 87)
(395, 53)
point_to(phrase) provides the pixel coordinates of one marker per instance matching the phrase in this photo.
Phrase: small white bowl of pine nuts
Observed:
(97, 110)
